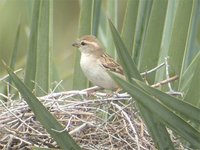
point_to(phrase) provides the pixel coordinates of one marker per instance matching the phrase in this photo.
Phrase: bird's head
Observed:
(88, 44)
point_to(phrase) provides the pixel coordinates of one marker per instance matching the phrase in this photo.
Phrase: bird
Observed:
(95, 63)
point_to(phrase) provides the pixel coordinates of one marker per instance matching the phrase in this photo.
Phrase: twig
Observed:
(165, 81)
(130, 123)
(167, 73)
(20, 139)
(19, 118)
(78, 129)
(152, 70)
(66, 128)
(69, 93)
(171, 91)
(56, 86)
(6, 76)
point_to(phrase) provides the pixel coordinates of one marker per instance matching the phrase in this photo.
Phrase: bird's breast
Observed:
(94, 71)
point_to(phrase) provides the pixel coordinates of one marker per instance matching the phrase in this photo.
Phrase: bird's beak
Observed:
(76, 44)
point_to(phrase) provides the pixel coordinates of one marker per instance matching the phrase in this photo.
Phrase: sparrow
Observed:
(95, 63)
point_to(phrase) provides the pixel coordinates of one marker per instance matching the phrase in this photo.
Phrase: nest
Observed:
(97, 122)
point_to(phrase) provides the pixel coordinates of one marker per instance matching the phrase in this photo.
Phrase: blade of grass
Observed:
(14, 54)
(32, 50)
(15, 49)
(111, 13)
(144, 10)
(129, 24)
(192, 46)
(149, 54)
(53, 73)
(193, 94)
(43, 52)
(96, 16)
(185, 78)
(169, 20)
(180, 32)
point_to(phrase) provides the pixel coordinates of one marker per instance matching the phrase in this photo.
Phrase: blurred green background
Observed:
(147, 31)
(65, 31)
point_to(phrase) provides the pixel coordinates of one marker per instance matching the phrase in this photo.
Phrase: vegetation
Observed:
(139, 33)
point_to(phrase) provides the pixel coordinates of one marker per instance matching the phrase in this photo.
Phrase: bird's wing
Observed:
(109, 64)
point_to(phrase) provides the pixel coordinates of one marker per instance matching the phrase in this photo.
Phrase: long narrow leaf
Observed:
(43, 52)
(53, 73)
(14, 54)
(111, 13)
(192, 45)
(180, 33)
(32, 51)
(15, 49)
(96, 16)
(169, 20)
(149, 54)
(144, 10)
(193, 94)
(185, 78)
(129, 24)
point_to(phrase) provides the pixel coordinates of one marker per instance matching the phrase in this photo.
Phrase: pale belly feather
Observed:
(96, 74)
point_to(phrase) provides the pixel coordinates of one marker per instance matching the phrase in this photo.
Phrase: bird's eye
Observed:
(83, 43)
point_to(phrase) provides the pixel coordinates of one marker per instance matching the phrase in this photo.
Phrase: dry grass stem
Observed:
(96, 122)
